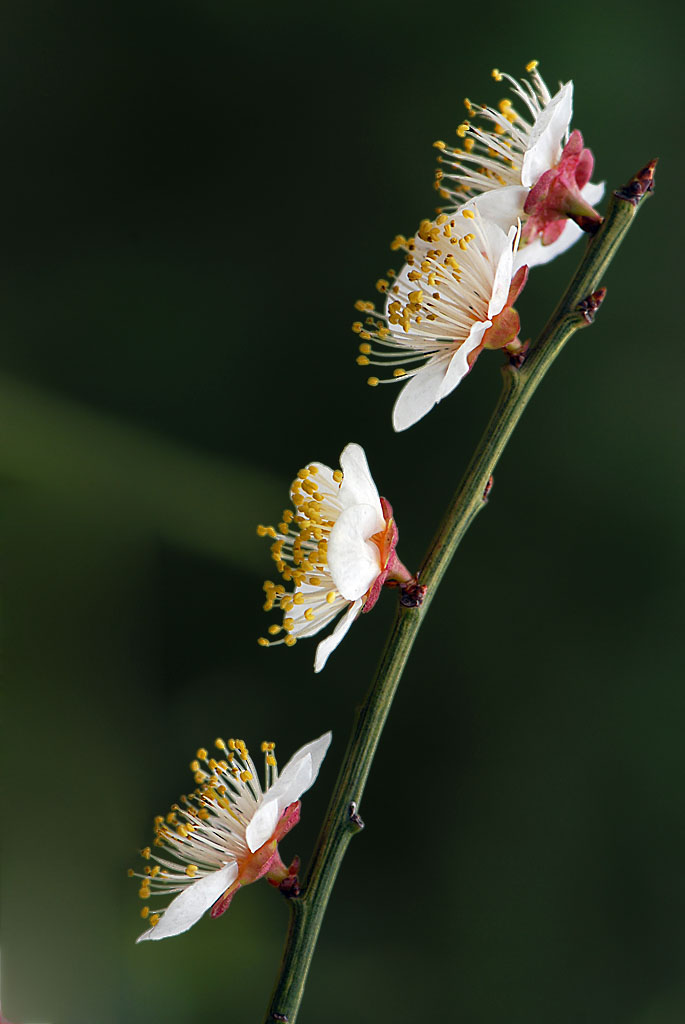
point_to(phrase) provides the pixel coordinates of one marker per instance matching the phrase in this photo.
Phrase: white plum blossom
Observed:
(337, 548)
(452, 299)
(521, 164)
(224, 834)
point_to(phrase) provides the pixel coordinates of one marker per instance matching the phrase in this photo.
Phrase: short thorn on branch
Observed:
(589, 306)
(412, 593)
(639, 186)
(354, 816)
(488, 487)
(280, 1017)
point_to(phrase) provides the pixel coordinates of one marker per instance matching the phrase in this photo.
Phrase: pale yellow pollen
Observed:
(531, 65)
(191, 870)
(497, 74)
(338, 476)
(399, 372)
(373, 382)
(468, 213)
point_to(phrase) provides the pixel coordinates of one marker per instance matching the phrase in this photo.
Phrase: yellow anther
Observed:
(146, 852)
(357, 327)
(365, 335)
(398, 242)
(271, 760)
(155, 871)
(442, 219)
(309, 615)
(298, 599)
(130, 872)
(416, 297)
(463, 129)
(463, 244)
(245, 776)
(330, 597)
(290, 641)
(382, 285)
(497, 74)
(365, 348)
(373, 382)
(468, 214)
(504, 106)
(399, 372)
(439, 144)
(194, 766)
(144, 911)
(469, 238)
(363, 360)
(468, 146)
(144, 891)
(531, 65)
(201, 753)
(219, 743)
(338, 476)
(231, 744)
(154, 919)
(191, 870)
(288, 624)
(275, 629)
(262, 641)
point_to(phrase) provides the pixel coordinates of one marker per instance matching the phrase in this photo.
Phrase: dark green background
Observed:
(194, 194)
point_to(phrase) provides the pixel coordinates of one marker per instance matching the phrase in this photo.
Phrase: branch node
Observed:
(412, 593)
(281, 1018)
(588, 307)
(353, 815)
(640, 185)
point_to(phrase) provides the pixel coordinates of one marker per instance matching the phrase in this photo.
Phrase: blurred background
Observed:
(194, 194)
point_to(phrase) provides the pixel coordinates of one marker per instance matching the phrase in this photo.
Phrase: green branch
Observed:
(576, 309)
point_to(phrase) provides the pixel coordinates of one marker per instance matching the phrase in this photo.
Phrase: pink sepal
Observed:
(556, 194)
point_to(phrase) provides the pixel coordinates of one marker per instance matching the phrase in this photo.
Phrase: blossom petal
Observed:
(296, 778)
(189, 906)
(327, 646)
(547, 136)
(419, 395)
(535, 254)
(263, 823)
(504, 272)
(358, 487)
(501, 206)
(459, 366)
(354, 561)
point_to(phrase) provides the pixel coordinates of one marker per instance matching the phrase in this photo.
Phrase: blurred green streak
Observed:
(123, 473)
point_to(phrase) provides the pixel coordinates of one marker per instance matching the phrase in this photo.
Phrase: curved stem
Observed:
(576, 309)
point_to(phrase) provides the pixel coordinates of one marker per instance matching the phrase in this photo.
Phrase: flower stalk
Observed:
(522, 375)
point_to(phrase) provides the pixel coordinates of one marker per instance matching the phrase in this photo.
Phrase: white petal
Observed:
(504, 272)
(419, 395)
(327, 646)
(547, 137)
(502, 206)
(316, 751)
(535, 254)
(262, 825)
(358, 487)
(459, 366)
(593, 193)
(353, 561)
(189, 906)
